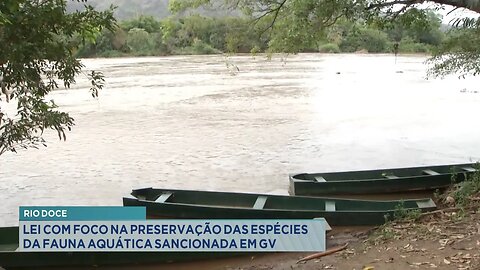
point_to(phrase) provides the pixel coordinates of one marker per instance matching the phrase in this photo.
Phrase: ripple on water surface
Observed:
(190, 122)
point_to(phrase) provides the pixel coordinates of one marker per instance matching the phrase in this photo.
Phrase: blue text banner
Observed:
(237, 235)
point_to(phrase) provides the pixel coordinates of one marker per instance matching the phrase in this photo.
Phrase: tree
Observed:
(297, 24)
(147, 23)
(428, 32)
(36, 56)
(460, 54)
(140, 41)
(368, 39)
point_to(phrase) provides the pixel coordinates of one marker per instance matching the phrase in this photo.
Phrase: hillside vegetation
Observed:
(197, 34)
(128, 9)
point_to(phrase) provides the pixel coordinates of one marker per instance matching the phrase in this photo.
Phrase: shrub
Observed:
(465, 190)
(200, 47)
(372, 40)
(329, 48)
(140, 41)
(409, 46)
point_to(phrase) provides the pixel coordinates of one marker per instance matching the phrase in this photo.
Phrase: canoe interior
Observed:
(272, 202)
(386, 173)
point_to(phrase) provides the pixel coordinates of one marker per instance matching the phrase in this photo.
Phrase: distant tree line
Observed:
(195, 34)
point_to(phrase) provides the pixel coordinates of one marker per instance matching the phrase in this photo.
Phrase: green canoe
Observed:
(12, 259)
(378, 181)
(169, 203)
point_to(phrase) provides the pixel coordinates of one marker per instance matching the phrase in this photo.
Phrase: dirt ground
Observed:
(441, 240)
(438, 241)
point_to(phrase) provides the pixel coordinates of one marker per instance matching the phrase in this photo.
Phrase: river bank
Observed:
(265, 55)
(442, 240)
(448, 238)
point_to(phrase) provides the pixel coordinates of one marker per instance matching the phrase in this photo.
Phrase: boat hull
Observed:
(11, 259)
(372, 182)
(347, 213)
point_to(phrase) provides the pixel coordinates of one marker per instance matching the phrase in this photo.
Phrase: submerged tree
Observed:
(37, 44)
(296, 24)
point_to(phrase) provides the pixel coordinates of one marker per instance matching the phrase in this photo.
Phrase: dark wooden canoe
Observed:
(169, 203)
(12, 259)
(378, 181)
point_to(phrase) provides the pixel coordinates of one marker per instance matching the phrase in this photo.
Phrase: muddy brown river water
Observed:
(192, 122)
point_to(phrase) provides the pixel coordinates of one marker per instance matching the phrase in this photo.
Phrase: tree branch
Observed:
(397, 2)
(275, 11)
(467, 4)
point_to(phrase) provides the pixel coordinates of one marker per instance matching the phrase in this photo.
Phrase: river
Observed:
(242, 124)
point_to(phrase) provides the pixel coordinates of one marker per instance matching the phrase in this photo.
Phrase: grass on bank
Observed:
(454, 204)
